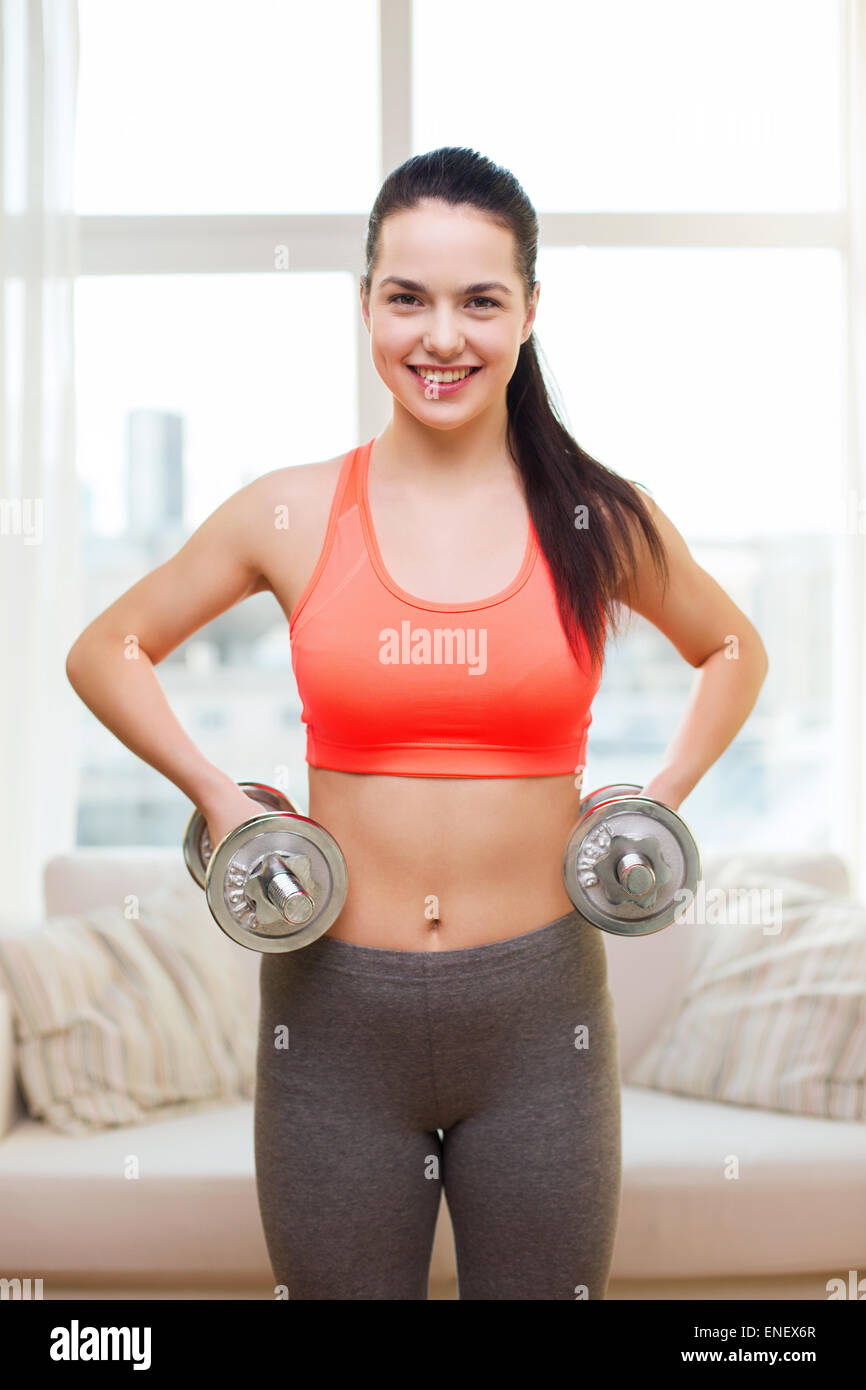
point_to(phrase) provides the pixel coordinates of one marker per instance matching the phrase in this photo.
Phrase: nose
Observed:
(443, 337)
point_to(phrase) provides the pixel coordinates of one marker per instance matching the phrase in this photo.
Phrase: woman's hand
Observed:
(660, 789)
(230, 810)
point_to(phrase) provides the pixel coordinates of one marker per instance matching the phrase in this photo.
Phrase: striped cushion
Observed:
(771, 1018)
(120, 1019)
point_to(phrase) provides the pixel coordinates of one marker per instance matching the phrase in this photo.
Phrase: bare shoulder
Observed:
(294, 503)
(302, 481)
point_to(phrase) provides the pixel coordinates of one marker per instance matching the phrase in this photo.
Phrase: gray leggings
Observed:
(509, 1049)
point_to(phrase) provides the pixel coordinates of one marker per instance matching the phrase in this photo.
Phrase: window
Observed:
(208, 106)
(633, 107)
(714, 376)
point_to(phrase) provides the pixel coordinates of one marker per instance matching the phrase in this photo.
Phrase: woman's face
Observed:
(445, 295)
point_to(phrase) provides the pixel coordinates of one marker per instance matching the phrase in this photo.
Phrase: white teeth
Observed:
(444, 377)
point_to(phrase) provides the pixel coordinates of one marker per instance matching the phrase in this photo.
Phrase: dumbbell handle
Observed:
(275, 881)
(290, 898)
(635, 873)
(633, 870)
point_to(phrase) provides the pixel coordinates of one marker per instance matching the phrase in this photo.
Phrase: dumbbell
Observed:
(276, 882)
(631, 864)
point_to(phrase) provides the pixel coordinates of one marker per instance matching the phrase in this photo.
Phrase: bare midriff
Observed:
(434, 863)
(445, 863)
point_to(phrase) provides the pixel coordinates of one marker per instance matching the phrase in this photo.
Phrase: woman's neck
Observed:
(470, 454)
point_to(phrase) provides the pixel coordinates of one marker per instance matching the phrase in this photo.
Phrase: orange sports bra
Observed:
(390, 683)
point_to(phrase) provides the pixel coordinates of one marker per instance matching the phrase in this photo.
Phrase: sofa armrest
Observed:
(10, 1105)
(822, 868)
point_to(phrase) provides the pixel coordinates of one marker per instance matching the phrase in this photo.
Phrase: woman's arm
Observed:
(714, 636)
(111, 665)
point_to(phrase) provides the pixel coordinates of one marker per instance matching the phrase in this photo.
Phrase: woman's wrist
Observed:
(214, 790)
(666, 788)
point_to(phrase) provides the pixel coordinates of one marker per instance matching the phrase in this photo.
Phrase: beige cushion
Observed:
(121, 1018)
(773, 1012)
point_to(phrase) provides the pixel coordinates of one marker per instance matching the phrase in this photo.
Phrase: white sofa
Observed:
(190, 1226)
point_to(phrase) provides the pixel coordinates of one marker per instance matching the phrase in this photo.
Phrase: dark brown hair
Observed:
(587, 563)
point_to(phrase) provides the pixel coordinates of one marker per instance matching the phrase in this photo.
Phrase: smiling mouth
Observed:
(444, 370)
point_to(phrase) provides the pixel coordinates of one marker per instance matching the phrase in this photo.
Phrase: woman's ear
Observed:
(530, 313)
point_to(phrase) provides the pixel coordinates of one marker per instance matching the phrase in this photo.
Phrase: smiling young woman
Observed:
(448, 585)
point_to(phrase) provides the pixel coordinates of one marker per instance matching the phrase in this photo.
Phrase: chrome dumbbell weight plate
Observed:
(277, 882)
(615, 790)
(197, 848)
(631, 865)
